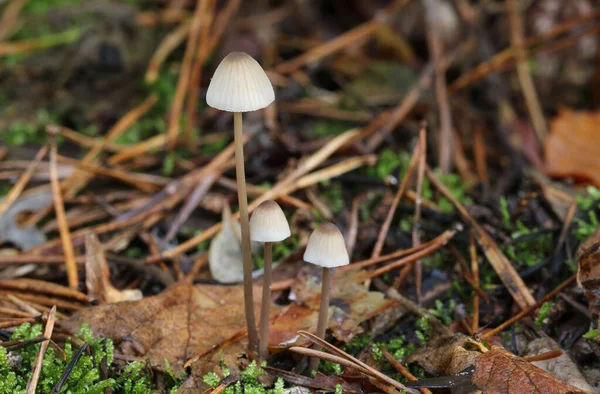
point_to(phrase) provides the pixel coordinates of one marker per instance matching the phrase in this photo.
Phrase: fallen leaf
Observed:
(573, 147)
(97, 276)
(175, 325)
(24, 237)
(501, 372)
(588, 273)
(447, 355)
(562, 367)
(350, 305)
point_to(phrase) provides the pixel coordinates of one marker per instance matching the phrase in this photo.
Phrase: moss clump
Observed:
(248, 382)
(86, 376)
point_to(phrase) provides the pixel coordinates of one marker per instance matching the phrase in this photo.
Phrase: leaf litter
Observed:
(133, 206)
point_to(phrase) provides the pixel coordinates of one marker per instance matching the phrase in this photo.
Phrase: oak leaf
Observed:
(501, 372)
(573, 147)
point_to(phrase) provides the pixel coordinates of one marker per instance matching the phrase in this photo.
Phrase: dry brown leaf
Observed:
(501, 372)
(563, 367)
(97, 276)
(177, 324)
(573, 147)
(351, 304)
(446, 355)
(588, 273)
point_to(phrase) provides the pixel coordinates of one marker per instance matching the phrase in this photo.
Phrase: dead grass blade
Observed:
(37, 369)
(63, 227)
(166, 46)
(18, 188)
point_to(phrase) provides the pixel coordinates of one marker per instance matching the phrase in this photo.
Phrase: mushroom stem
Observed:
(246, 252)
(323, 314)
(266, 302)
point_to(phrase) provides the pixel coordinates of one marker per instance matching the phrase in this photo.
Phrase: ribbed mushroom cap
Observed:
(239, 85)
(268, 223)
(326, 247)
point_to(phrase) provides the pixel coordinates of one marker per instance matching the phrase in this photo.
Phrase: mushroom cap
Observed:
(268, 223)
(326, 247)
(239, 84)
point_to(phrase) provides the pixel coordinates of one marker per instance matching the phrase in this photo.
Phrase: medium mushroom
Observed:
(268, 224)
(326, 248)
(238, 85)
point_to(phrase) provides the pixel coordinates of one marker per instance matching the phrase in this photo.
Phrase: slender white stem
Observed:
(266, 302)
(246, 252)
(323, 314)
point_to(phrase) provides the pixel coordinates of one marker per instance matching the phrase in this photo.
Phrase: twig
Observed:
(184, 75)
(37, 369)
(436, 48)
(416, 238)
(400, 368)
(16, 190)
(442, 238)
(503, 267)
(169, 43)
(358, 364)
(63, 226)
(525, 79)
(386, 123)
(409, 259)
(67, 372)
(385, 226)
(563, 236)
(530, 309)
(10, 18)
(208, 11)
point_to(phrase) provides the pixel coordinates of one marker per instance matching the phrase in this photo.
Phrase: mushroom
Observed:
(326, 248)
(238, 85)
(268, 224)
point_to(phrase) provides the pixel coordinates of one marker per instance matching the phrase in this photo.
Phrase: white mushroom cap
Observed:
(326, 247)
(268, 223)
(239, 84)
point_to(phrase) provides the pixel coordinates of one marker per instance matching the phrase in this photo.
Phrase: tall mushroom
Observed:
(267, 224)
(238, 85)
(326, 248)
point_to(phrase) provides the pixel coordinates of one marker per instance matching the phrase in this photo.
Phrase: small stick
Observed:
(37, 369)
(531, 97)
(16, 190)
(323, 314)
(266, 302)
(357, 363)
(63, 226)
(184, 76)
(527, 311)
(549, 355)
(408, 259)
(563, 236)
(475, 274)
(417, 218)
(397, 197)
(436, 48)
(244, 222)
(400, 368)
(67, 372)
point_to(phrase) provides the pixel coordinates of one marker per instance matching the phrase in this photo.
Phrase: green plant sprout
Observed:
(542, 317)
(248, 382)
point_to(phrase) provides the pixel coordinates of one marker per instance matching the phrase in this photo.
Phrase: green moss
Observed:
(444, 312)
(528, 251)
(329, 128)
(542, 317)
(86, 375)
(248, 382)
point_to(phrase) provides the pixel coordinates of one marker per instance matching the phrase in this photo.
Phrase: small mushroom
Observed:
(326, 248)
(238, 85)
(268, 224)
